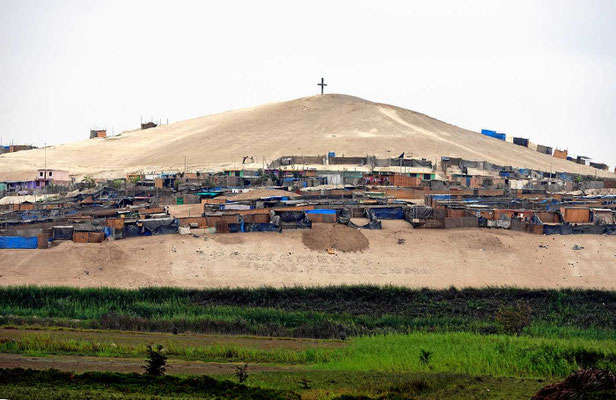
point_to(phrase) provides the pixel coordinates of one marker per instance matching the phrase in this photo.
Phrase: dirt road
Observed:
(118, 364)
(430, 258)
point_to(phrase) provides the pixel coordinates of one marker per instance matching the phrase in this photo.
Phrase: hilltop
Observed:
(309, 126)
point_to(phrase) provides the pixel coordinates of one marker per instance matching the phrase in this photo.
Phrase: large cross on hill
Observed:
(322, 84)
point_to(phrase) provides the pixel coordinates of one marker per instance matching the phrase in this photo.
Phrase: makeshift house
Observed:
(87, 233)
(20, 147)
(575, 214)
(63, 232)
(321, 215)
(494, 134)
(603, 215)
(544, 149)
(98, 133)
(600, 166)
(562, 154)
(520, 141)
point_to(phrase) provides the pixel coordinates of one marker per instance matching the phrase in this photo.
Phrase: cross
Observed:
(322, 84)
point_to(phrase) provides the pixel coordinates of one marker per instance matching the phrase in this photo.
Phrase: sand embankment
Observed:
(433, 258)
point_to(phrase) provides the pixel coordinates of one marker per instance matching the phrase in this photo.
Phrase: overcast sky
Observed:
(545, 70)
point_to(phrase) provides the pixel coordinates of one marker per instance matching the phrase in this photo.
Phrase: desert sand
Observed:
(307, 126)
(424, 258)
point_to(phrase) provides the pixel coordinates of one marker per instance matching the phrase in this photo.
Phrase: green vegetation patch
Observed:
(473, 354)
(50, 384)
(327, 312)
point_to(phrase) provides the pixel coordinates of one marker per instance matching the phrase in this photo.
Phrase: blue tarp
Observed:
(208, 194)
(494, 134)
(17, 242)
(387, 213)
(441, 196)
(321, 211)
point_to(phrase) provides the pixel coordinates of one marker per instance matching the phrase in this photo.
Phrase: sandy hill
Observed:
(310, 126)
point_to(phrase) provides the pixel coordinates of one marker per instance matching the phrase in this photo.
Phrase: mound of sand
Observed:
(310, 126)
(257, 194)
(334, 236)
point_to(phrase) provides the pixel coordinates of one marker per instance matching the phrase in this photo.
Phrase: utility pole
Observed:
(45, 172)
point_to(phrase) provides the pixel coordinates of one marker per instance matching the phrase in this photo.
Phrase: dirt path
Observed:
(397, 255)
(116, 364)
(179, 340)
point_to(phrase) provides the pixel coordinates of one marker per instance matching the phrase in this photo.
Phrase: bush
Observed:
(424, 357)
(241, 373)
(514, 319)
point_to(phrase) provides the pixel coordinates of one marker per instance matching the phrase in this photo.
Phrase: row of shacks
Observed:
(299, 172)
(89, 217)
(562, 154)
(537, 213)
(105, 214)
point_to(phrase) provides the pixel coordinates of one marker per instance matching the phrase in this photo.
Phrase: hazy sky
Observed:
(545, 70)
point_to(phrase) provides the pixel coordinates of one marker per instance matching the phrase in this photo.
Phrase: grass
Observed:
(330, 312)
(52, 384)
(398, 343)
(418, 386)
(38, 344)
(456, 352)
(472, 354)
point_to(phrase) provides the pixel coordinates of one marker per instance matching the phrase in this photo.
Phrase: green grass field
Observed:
(376, 342)
(331, 312)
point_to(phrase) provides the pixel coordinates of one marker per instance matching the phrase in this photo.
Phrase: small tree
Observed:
(156, 361)
(88, 182)
(241, 373)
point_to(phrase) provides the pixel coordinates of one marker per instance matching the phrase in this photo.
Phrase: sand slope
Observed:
(432, 258)
(310, 126)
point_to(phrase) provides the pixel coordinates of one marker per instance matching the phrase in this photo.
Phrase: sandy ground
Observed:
(185, 210)
(427, 258)
(307, 126)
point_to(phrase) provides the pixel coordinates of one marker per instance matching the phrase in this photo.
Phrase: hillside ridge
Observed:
(305, 126)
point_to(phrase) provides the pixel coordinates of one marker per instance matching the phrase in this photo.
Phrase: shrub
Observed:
(424, 357)
(514, 319)
(241, 373)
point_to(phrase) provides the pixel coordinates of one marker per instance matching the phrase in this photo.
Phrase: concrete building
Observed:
(46, 177)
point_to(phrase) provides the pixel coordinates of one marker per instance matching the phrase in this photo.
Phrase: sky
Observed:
(539, 69)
